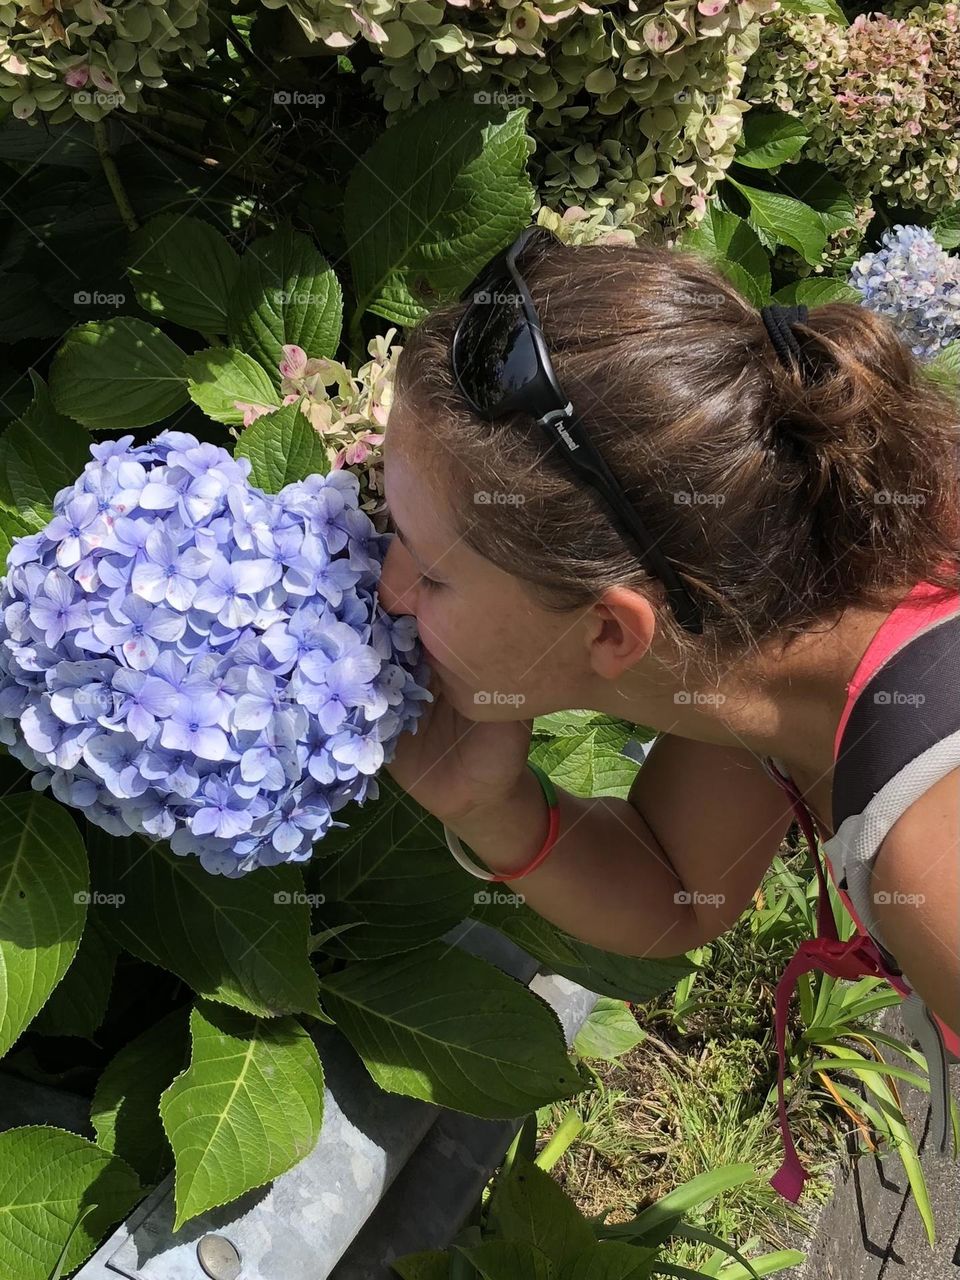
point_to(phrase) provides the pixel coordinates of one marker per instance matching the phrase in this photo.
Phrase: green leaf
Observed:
(431, 202)
(248, 1108)
(809, 183)
(12, 526)
(817, 291)
(79, 1003)
(531, 1208)
(117, 374)
(391, 875)
(769, 138)
(219, 376)
(443, 1026)
(40, 454)
(184, 270)
(47, 1178)
(242, 941)
(27, 311)
(286, 292)
(433, 1264)
(610, 1031)
(769, 1264)
(946, 228)
(732, 246)
(612, 1260)
(825, 8)
(43, 883)
(508, 1260)
(634, 978)
(124, 1108)
(786, 220)
(587, 757)
(944, 367)
(282, 447)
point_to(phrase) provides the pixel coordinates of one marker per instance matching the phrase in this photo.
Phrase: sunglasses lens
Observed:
(496, 356)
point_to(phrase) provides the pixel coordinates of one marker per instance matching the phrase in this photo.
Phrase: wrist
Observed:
(506, 835)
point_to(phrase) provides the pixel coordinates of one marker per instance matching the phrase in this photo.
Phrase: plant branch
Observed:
(112, 174)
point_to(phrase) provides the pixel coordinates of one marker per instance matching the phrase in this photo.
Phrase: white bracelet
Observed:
(456, 848)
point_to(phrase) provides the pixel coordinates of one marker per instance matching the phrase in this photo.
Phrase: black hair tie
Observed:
(779, 321)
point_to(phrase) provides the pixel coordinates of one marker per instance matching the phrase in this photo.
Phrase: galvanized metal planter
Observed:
(389, 1174)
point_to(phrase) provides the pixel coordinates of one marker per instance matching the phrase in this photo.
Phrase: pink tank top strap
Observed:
(925, 604)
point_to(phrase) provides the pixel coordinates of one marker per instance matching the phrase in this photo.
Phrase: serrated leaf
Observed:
(40, 454)
(817, 292)
(282, 447)
(786, 220)
(43, 880)
(610, 1031)
(47, 1178)
(241, 941)
(613, 1260)
(443, 1026)
(946, 228)
(183, 269)
(286, 292)
(634, 978)
(219, 376)
(390, 874)
(431, 202)
(12, 526)
(769, 138)
(79, 1002)
(248, 1108)
(508, 1260)
(531, 1208)
(588, 761)
(811, 184)
(124, 1110)
(944, 367)
(118, 374)
(821, 8)
(732, 246)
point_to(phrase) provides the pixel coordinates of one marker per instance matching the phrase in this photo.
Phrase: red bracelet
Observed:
(553, 831)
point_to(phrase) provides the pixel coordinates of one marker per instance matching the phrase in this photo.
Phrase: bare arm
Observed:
(669, 868)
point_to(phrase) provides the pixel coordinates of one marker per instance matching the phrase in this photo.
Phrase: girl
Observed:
(769, 522)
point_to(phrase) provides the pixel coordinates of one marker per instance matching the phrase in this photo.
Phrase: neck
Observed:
(783, 701)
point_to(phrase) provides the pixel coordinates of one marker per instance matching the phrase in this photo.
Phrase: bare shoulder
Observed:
(916, 895)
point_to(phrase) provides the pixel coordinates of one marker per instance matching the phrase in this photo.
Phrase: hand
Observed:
(452, 765)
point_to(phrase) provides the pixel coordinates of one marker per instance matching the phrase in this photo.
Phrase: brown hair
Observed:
(779, 504)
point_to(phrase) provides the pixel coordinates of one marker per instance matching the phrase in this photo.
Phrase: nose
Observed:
(398, 581)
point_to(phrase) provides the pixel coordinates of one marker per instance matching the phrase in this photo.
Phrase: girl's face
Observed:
(497, 653)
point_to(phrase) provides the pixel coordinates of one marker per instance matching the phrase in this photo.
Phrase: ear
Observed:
(624, 624)
(916, 896)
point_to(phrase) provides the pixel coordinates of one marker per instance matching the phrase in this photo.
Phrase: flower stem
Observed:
(112, 174)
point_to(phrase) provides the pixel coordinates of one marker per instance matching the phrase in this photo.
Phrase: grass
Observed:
(696, 1095)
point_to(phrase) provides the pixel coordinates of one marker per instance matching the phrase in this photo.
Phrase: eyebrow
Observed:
(393, 527)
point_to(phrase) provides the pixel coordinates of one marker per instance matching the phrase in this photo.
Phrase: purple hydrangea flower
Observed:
(185, 656)
(914, 281)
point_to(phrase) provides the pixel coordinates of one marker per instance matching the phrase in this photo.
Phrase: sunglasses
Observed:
(501, 365)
